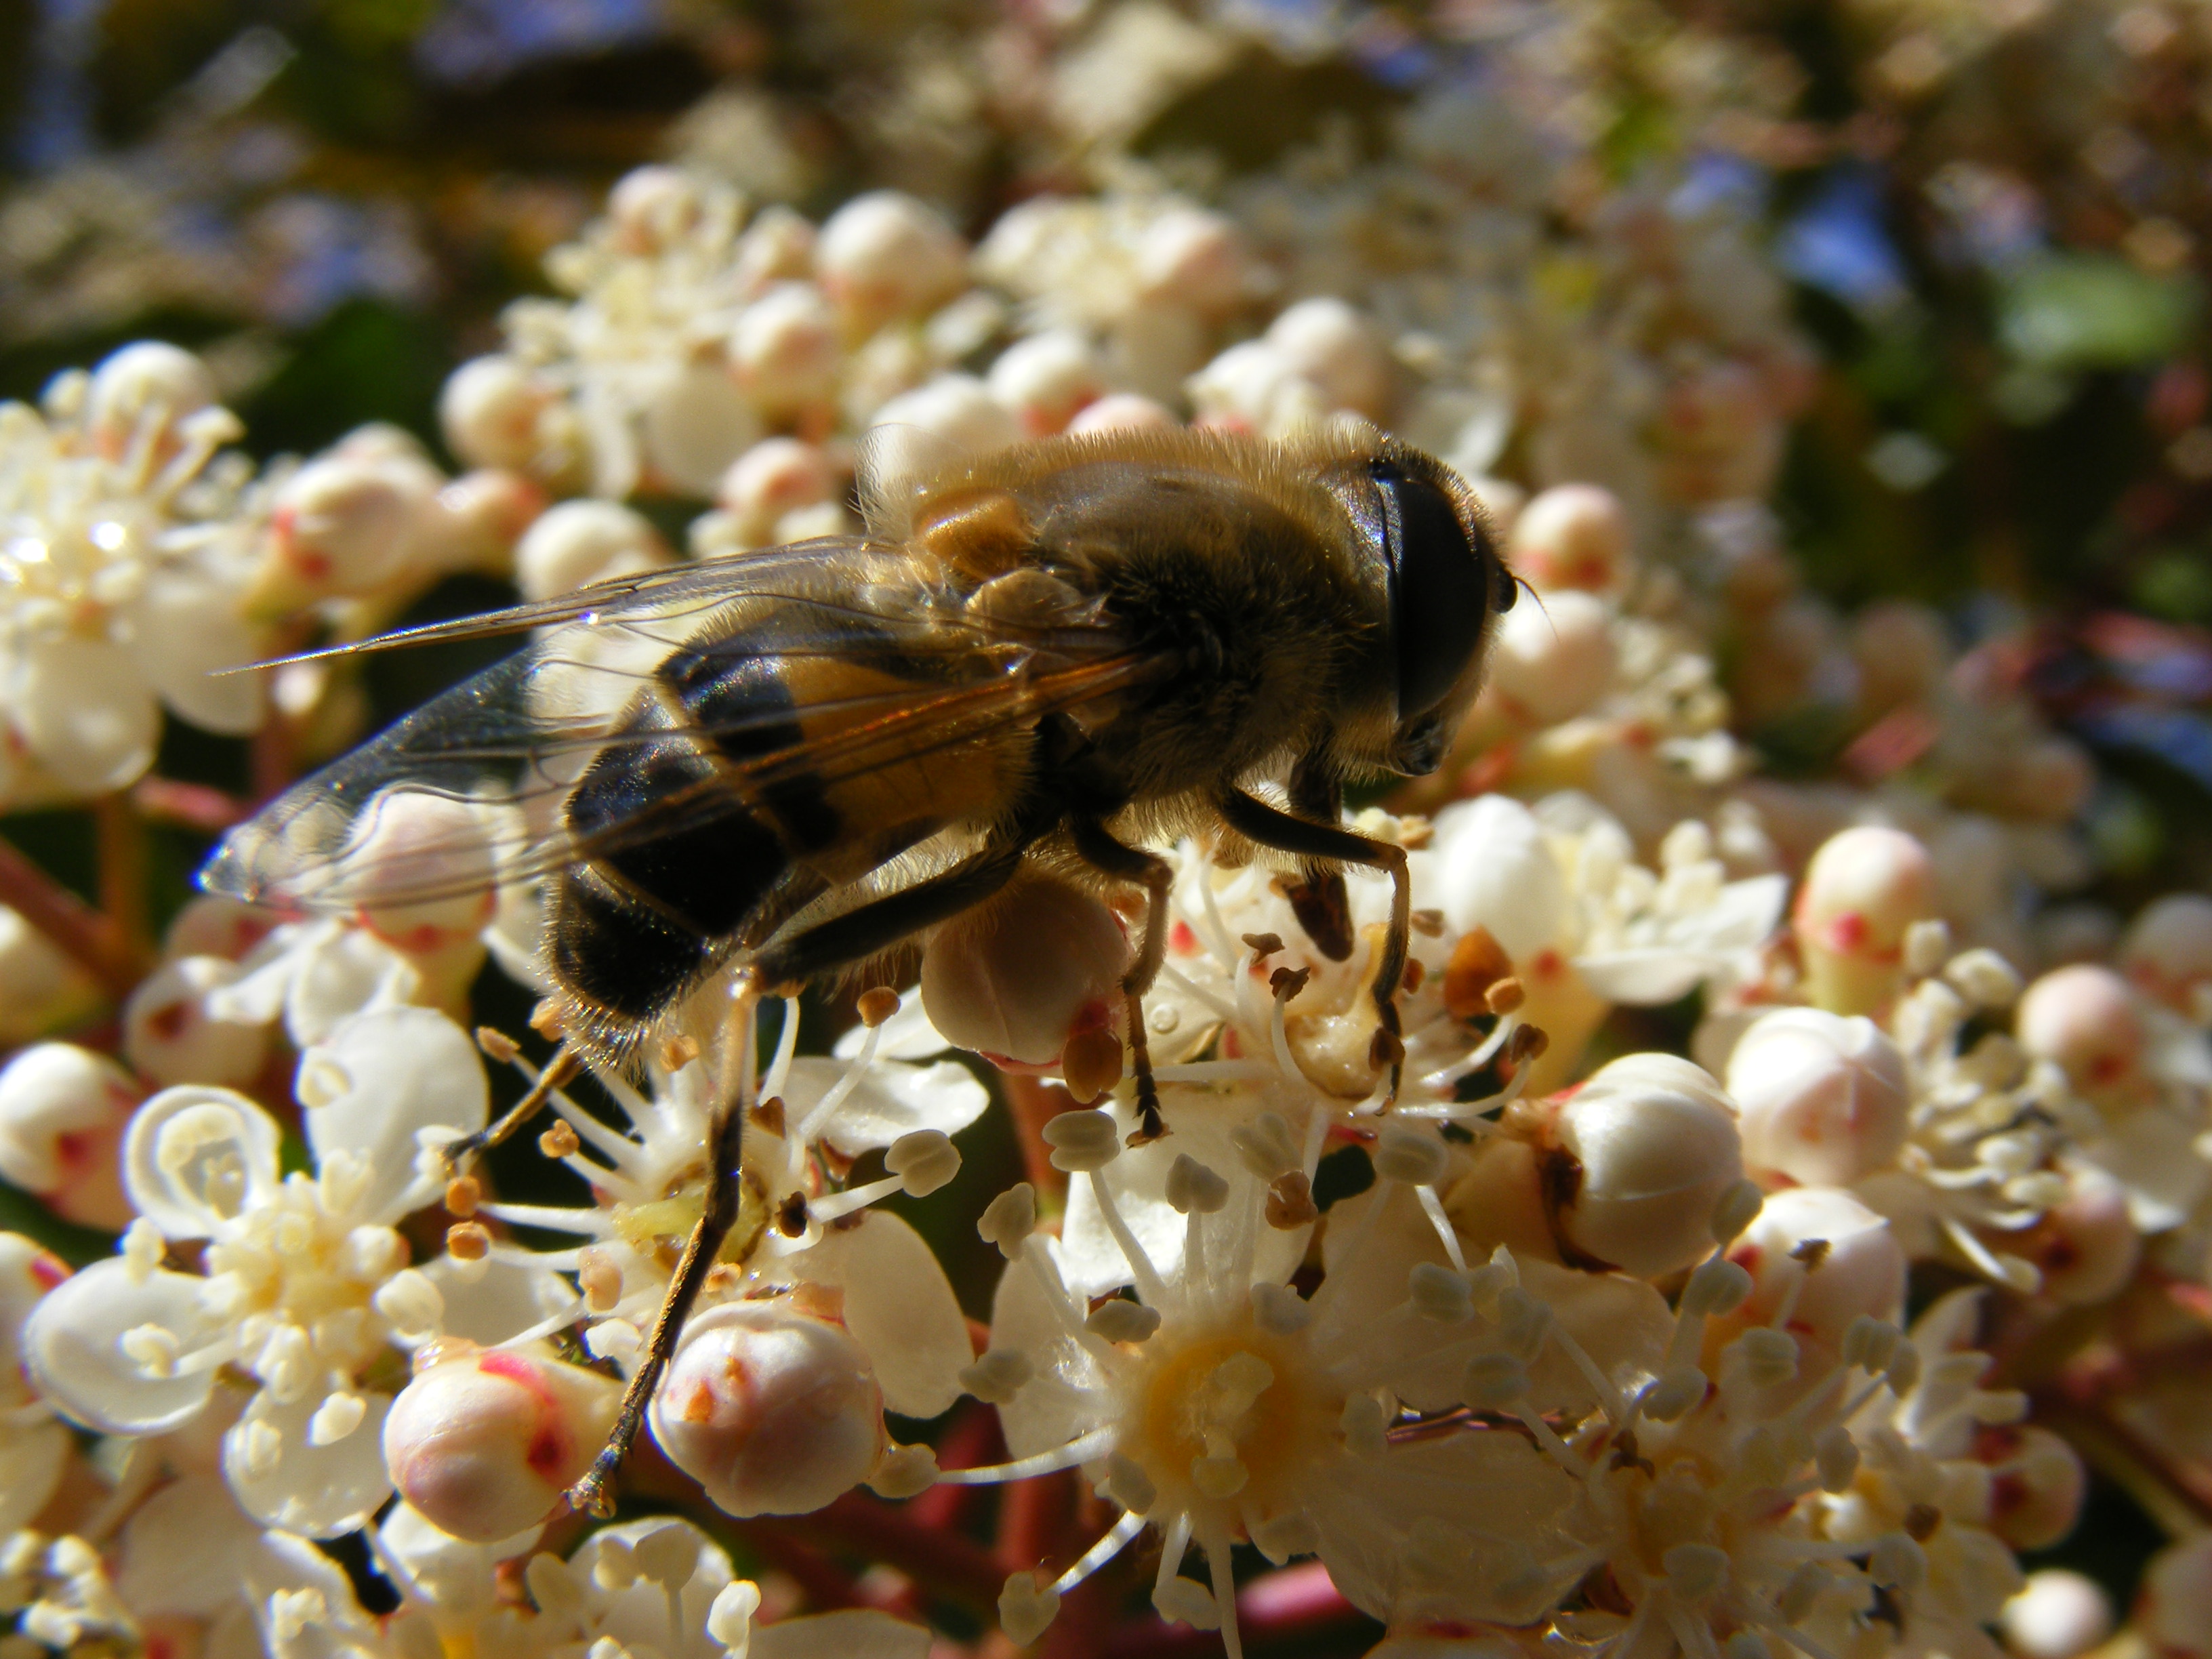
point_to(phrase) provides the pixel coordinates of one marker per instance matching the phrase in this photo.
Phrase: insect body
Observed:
(795, 761)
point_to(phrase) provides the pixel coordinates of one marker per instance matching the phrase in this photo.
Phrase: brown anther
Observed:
(678, 1052)
(1429, 923)
(598, 1278)
(1812, 1252)
(1527, 1042)
(559, 1141)
(1287, 982)
(1263, 944)
(546, 1020)
(876, 1005)
(1091, 1064)
(468, 1241)
(1921, 1521)
(1505, 996)
(1416, 971)
(1290, 1201)
(1388, 1048)
(497, 1044)
(1477, 962)
(463, 1194)
(768, 1116)
(791, 1216)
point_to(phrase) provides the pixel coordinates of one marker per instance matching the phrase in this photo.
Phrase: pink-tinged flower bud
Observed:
(490, 411)
(407, 839)
(2083, 1019)
(692, 426)
(2086, 1246)
(1122, 412)
(954, 410)
(1822, 1098)
(2036, 1486)
(61, 1113)
(2167, 953)
(343, 524)
(1254, 387)
(483, 1445)
(170, 1036)
(1339, 349)
(1636, 1160)
(582, 542)
(1190, 257)
(2174, 1612)
(1864, 889)
(772, 1410)
(2057, 1615)
(1551, 662)
(784, 349)
(41, 989)
(149, 380)
(1826, 1259)
(1046, 379)
(885, 255)
(1015, 978)
(474, 522)
(1571, 536)
(651, 209)
(777, 246)
(774, 478)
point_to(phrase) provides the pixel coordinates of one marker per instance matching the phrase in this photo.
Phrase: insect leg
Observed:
(1258, 821)
(1318, 898)
(881, 923)
(1102, 852)
(592, 1494)
(566, 1062)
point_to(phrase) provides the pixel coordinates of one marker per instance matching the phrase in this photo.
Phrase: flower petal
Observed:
(195, 1156)
(899, 1306)
(378, 1082)
(72, 1347)
(284, 1481)
(892, 1100)
(184, 1551)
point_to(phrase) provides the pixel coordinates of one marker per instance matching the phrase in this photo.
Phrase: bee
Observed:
(789, 764)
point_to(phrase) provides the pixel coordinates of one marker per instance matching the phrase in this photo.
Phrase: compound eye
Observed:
(1442, 590)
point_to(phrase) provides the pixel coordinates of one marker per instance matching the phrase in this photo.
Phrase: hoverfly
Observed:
(789, 764)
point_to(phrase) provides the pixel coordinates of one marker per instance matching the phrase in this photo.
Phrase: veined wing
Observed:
(468, 790)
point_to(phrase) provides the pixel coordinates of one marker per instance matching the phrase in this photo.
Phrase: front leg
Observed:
(1317, 897)
(1269, 827)
(1102, 852)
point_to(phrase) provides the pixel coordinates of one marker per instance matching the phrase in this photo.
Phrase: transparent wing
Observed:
(468, 790)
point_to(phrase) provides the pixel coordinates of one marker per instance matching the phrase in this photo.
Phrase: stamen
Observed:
(1173, 1548)
(1480, 1056)
(1149, 1285)
(567, 1316)
(1074, 1454)
(2009, 1271)
(805, 1135)
(1433, 1208)
(1215, 1538)
(551, 1218)
(827, 1208)
(786, 1045)
(1199, 993)
(1100, 1552)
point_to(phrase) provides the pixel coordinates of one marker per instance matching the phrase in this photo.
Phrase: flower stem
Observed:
(121, 837)
(1034, 1103)
(1297, 1601)
(92, 940)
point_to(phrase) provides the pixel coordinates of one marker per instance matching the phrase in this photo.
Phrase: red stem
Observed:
(972, 1439)
(944, 1563)
(1035, 1102)
(192, 805)
(90, 939)
(826, 1585)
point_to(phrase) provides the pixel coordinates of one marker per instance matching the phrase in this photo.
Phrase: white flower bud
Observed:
(784, 348)
(1831, 1259)
(576, 544)
(1254, 387)
(1008, 1220)
(1122, 412)
(1656, 1145)
(1571, 536)
(2083, 1019)
(954, 412)
(483, 1445)
(2057, 1615)
(146, 381)
(1015, 978)
(1191, 258)
(61, 1113)
(2168, 951)
(2036, 1497)
(1823, 1098)
(490, 411)
(777, 477)
(924, 1160)
(1555, 660)
(2175, 1611)
(1045, 378)
(1863, 890)
(651, 209)
(2086, 1245)
(345, 524)
(1082, 1141)
(85, 709)
(170, 1036)
(694, 425)
(884, 255)
(408, 840)
(771, 1411)
(1327, 343)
